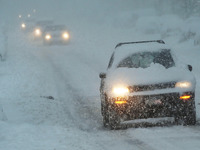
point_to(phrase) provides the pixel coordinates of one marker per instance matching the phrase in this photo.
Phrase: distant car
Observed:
(145, 80)
(39, 29)
(56, 34)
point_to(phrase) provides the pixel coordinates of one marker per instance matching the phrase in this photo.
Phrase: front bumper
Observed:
(151, 106)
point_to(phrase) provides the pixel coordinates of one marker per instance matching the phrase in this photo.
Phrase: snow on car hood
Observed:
(152, 75)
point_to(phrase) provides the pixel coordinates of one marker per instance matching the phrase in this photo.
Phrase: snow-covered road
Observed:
(71, 120)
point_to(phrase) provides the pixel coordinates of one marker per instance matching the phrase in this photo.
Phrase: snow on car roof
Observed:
(123, 51)
(55, 27)
(44, 22)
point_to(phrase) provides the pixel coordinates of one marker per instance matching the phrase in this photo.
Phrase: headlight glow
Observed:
(120, 91)
(48, 37)
(38, 32)
(65, 35)
(23, 25)
(184, 84)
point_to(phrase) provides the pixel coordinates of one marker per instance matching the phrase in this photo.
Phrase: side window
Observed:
(164, 58)
(126, 63)
(111, 60)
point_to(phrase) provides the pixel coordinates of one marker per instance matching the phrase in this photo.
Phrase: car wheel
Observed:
(114, 119)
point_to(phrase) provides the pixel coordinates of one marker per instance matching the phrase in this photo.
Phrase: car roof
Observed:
(55, 27)
(44, 22)
(134, 47)
(124, 50)
(140, 42)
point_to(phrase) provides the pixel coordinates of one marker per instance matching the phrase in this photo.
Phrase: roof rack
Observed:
(158, 41)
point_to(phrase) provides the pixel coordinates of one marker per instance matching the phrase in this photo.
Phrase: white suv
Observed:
(145, 80)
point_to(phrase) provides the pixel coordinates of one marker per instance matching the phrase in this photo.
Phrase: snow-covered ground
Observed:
(50, 94)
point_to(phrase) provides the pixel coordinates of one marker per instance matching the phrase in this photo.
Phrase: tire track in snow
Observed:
(89, 117)
(77, 106)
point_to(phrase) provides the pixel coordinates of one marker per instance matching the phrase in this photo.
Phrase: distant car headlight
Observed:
(38, 32)
(65, 35)
(48, 37)
(120, 91)
(23, 25)
(183, 84)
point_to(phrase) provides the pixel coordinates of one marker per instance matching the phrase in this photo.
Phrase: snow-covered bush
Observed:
(187, 36)
(190, 30)
(185, 8)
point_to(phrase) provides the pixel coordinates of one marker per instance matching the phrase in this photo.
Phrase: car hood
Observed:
(148, 76)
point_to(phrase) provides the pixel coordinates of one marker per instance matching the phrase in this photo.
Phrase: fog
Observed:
(66, 9)
(77, 10)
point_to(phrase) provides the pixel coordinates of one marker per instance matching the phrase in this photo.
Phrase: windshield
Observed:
(145, 59)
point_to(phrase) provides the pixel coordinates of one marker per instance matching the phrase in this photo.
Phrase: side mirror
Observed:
(102, 75)
(190, 67)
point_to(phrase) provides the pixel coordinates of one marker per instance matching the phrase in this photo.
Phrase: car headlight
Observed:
(65, 35)
(183, 84)
(38, 32)
(120, 91)
(48, 37)
(23, 25)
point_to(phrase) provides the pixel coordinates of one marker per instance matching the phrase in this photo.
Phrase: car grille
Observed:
(151, 87)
